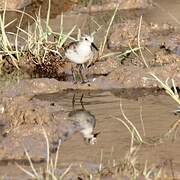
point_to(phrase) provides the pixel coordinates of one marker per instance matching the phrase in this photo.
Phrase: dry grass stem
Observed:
(107, 32)
(139, 44)
(50, 171)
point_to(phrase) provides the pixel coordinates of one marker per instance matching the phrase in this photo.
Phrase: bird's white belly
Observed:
(80, 56)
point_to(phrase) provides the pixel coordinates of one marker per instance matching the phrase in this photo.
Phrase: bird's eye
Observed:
(86, 39)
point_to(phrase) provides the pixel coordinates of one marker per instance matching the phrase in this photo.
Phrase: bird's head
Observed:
(87, 38)
(92, 139)
(90, 41)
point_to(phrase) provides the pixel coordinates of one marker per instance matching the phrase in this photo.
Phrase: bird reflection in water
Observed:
(85, 120)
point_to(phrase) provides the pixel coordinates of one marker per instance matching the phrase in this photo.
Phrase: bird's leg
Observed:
(81, 101)
(81, 75)
(73, 74)
(73, 102)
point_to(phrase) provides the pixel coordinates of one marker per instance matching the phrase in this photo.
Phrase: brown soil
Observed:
(44, 99)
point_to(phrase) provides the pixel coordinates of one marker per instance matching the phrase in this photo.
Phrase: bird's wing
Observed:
(71, 45)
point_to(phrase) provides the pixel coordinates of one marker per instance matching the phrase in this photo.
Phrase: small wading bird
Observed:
(80, 52)
(86, 121)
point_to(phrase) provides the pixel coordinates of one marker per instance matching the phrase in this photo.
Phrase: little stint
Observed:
(80, 52)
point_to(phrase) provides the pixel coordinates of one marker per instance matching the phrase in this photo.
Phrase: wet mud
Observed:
(42, 98)
(30, 107)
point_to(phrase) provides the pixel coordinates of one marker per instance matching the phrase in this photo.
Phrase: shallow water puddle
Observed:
(114, 139)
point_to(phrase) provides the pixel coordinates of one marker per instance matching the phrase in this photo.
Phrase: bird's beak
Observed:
(94, 46)
(96, 134)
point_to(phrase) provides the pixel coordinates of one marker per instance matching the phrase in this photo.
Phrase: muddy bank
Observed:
(108, 73)
(127, 69)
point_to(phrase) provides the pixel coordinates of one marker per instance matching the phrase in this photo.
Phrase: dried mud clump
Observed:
(50, 66)
(53, 67)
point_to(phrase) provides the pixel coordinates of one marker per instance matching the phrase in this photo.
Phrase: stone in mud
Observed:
(14, 4)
